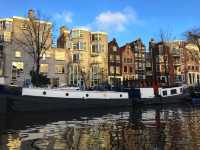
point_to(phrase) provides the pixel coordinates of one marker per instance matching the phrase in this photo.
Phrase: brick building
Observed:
(174, 63)
(139, 51)
(115, 78)
(191, 65)
(128, 65)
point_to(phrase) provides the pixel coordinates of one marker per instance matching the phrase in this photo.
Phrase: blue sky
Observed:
(124, 19)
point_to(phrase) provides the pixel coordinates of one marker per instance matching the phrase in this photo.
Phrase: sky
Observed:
(126, 20)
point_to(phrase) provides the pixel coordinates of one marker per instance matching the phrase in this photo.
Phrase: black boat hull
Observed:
(17, 103)
(40, 104)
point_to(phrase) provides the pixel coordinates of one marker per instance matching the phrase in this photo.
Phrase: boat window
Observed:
(44, 93)
(87, 95)
(67, 94)
(181, 90)
(173, 91)
(164, 93)
(121, 95)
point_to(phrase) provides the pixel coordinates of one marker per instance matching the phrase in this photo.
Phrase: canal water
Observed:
(140, 128)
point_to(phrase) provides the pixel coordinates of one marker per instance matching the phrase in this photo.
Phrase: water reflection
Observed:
(157, 128)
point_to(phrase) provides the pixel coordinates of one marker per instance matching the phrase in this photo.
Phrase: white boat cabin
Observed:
(73, 94)
(166, 92)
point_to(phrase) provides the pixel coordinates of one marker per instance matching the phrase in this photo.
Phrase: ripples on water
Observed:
(173, 128)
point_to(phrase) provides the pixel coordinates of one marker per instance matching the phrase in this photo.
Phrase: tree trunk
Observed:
(37, 72)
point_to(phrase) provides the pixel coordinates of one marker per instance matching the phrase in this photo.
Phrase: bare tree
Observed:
(35, 39)
(165, 37)
(193, 36)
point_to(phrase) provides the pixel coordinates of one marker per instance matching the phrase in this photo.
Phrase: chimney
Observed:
(63, 30)
(31, 13)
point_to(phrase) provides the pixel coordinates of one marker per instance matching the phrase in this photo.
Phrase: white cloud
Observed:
(116, 20)
(65, 17)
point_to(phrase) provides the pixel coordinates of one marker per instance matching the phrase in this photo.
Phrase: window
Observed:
(24, 26)
(178, 78)
(76, 58)
(198, 80)
(96, 37)
(73, 75)
(43, 68)
(117, 70)
(7, 36)
(59, 55)
(197, 68)
(96, 48)
(118, 58)
(6, 25)
(59, 69)
(1, 68)
(1, 37)
(190, 78)
(129, 60)
(112, 71)
(130, 69)
(164, 93)
(17, 69)
(2, 25)
(111, 58)
(95, 74)
(160, 49)
(114, 48)
(18, 54)
(18, 65)
(79, 46)
(136, 49)
(148, 64)
(81, 34)
(157, 67)
(82, 46)
(75, 34)
(125, 68)
(75, 46)
(163, 79)
(174, 91)
(192, 67)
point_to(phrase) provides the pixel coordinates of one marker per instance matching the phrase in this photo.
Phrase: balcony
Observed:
(94, 54)
(177, 63)
(176, 53)
(149, 73)
(95, 62)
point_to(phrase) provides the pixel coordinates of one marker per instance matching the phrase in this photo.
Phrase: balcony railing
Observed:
(149, 73)
(176, 53)
(177, 63)
(95, 54)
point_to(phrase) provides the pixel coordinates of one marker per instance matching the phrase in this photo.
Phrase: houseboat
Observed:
(50, 99)
(147, 96)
